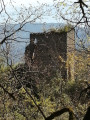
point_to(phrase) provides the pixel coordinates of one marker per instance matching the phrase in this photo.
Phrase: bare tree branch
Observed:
(60, 112)
(10, 94)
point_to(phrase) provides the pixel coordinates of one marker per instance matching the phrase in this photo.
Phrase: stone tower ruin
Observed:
(48, 52)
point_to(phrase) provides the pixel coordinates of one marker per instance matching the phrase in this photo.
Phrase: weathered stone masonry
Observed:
(51, 53)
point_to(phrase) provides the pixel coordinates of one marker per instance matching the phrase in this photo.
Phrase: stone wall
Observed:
(50, 53)
(70, 54)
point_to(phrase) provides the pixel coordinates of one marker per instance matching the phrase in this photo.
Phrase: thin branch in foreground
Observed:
(36, 104)
(10, 94)
(81, 6)
(60, 112)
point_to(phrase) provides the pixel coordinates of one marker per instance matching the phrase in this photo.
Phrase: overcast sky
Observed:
(34, 2)
(27, 2)
(18, 3)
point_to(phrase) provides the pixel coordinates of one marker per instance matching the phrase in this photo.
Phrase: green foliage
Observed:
(66, 28)
(54, 95)
(82, 66)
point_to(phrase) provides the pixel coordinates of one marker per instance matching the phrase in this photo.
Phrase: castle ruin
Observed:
(48, 52)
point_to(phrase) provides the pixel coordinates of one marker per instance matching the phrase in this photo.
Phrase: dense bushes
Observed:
(53, 95)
